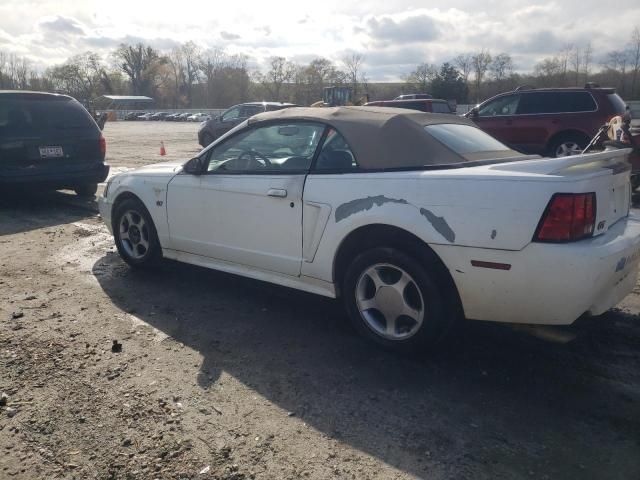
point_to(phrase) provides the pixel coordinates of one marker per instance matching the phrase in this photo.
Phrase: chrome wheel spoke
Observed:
(391, 324)
(367, 304)
(412, 313)
(144, 243)
(374, 275)
(402, 283)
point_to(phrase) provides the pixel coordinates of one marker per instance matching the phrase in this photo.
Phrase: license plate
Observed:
(49, 152)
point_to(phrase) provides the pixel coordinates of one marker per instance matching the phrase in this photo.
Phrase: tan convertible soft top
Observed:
(381, 137)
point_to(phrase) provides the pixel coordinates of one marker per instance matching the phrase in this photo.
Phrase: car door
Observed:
(497, 117)
(246, 206)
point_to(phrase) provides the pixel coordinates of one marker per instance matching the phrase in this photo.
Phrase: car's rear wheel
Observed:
(135, 234)
(394, 300)
(86, 190)
(567, 145)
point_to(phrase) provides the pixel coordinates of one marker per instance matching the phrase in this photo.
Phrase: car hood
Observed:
(165, 169)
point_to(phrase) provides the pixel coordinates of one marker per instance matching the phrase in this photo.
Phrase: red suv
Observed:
(549, 121)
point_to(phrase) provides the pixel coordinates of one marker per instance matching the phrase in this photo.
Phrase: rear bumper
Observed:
(93, 173)
(550, 284)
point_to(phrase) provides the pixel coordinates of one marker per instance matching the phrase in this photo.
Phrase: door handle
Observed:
(277, 192)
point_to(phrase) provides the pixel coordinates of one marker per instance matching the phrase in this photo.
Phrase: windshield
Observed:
(27, 116)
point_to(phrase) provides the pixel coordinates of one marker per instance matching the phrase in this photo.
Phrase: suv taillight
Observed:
(568, 217)
(103, 145)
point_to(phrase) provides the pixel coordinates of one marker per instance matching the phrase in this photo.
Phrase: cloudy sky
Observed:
(394, 35)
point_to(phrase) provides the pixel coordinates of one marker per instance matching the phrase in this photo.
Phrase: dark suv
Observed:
(548, 121)
(49, 141)
(422, 105)
(214, 128)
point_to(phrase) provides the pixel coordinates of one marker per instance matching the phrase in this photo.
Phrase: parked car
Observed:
(49, 141)
(183, 117)
(197, 117)
(131, 116)
(421, 105)
(549, 121)
(159, 116)
(413, 219)
(235, 115)
(413, 96)
(145, 116)
(172, 117)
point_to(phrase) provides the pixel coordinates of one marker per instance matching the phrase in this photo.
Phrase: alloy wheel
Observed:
(390, 302)
(134, 234)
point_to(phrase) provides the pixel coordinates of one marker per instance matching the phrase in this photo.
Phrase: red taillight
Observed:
(103, 145)
(568, 217)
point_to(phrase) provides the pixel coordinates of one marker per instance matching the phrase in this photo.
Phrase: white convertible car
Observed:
(413, 219)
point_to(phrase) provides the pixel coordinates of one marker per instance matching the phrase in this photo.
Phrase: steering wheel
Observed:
(253, 154)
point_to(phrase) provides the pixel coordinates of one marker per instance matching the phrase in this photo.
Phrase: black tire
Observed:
(567, 140)
(207, 138)
(86, 190)
(436, 321)
(149, 256)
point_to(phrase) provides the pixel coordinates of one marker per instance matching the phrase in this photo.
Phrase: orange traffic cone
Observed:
(163, 151)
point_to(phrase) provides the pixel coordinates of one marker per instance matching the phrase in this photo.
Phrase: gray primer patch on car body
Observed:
(362, 204)
(440, 224)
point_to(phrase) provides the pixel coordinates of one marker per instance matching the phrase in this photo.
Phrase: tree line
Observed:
(188, 76)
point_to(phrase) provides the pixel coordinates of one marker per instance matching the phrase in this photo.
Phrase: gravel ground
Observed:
(219, 377)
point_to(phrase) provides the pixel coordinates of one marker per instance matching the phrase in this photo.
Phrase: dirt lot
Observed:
(221, 377)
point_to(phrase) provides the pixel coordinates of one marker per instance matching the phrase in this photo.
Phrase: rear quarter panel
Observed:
(478, 207)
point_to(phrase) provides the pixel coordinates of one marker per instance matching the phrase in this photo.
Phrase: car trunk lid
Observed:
(607, 174)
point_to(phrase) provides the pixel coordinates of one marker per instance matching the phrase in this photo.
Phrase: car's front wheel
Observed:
(394, 300)
(135, 234)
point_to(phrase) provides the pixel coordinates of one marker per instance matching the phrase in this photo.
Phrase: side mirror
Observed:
(195, 166)
(473, 113)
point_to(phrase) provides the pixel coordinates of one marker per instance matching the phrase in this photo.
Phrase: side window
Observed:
(336, 155)
(440, 107)
(282, 147)
(419, 106)
(577, 102)
(250, 110)
(536, 102)
(506, 105)
(231, 114)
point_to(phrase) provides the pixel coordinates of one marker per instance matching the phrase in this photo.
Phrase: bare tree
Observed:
(422, 77)
(576, 62)
(139, 63)
(501, 67)
(635, 58)
(480, 62)
(564, 56)
(191, 58)
(280, 72)
(353, 68)
(464, 62)
(587, 56)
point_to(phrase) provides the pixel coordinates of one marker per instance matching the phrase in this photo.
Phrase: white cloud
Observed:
(393, 35)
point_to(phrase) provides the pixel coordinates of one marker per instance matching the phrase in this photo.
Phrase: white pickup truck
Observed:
(413, 219)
